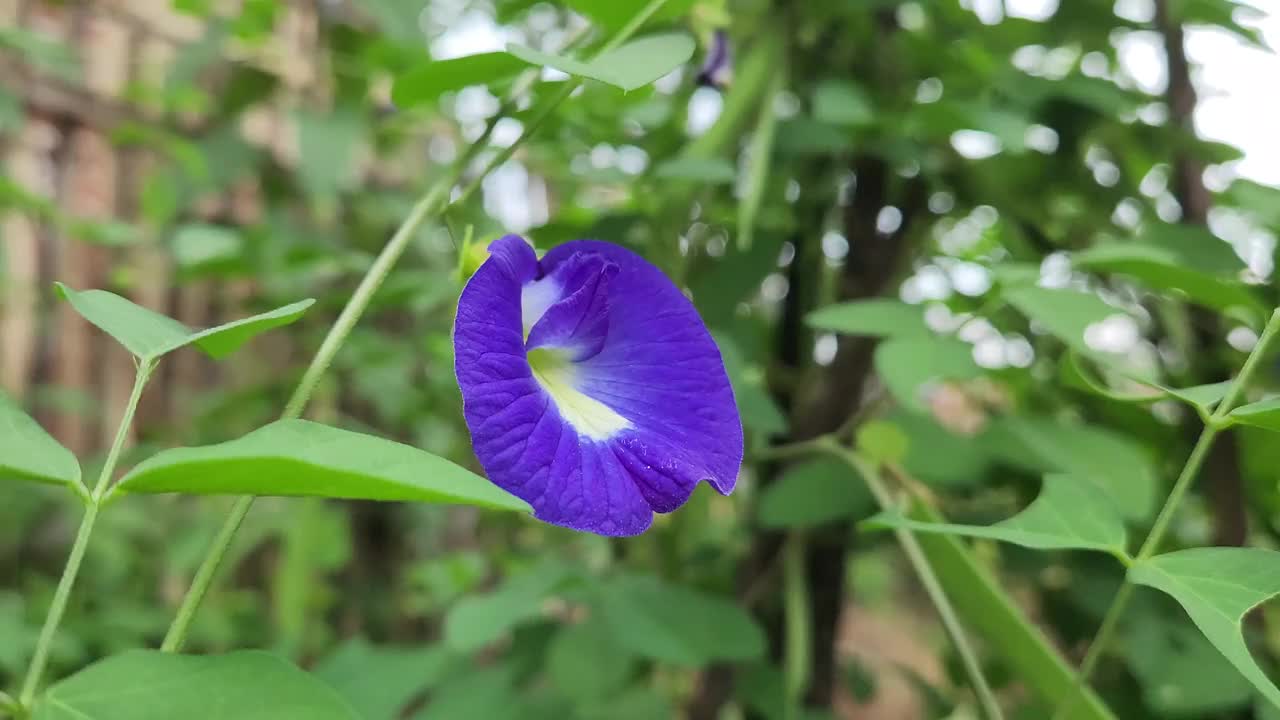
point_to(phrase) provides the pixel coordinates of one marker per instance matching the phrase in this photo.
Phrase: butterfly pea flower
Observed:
(591, 387)
(716, 67)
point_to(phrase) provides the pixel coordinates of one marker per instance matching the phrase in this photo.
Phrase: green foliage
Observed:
(1065, 314)
(307, 459)
(479, 620)
(994, 616)
(875, 318)
(1122, 467)
(629, 67)
(1217, 586)
(1071, 513)
(813, 493)
(908, 365)
(426, 83)
(677, 625)
(1263, 414)
(27, 452)
(379, 681)
(150, 336)
(1073, 333)
(148, 685)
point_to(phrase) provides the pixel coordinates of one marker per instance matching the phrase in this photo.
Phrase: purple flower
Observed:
(591, 387)
(715, 68)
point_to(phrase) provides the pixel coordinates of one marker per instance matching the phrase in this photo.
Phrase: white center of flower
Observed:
(535, 298)
(588, 416)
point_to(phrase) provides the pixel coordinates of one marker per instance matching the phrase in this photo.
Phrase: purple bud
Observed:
(716, 68)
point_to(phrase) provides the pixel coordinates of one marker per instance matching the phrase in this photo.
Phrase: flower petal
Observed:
(579, 322)
(617, 404)
(661, 370)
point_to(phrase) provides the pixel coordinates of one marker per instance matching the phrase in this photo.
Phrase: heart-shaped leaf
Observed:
(879, 317)
(1217, 586)
(629, 67)
(27, 452)
(427, 82)
(150, 335)
(1071, 513)
(303, 458)
(151, 685)
(1264, 414)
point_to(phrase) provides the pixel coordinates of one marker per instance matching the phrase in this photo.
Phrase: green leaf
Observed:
(678, 625)
(327, 144)
(1201, 397)
(484, 694)
(151, 685)
(755, 404)
(1120, 466)
(380, 681)
(427, 82)
(1205, 397)
(879, 317)
(711, 171)
(907, 365)
(812, 493)
(27, 452)
(1065, 314)
(585, 663)
(150, 335)
(613, 14)
(1163, 269)
(1193, 246)
(1071, 513)
(1217, 586)
(201, 246)
(883, 442)
(992, 615)
(1181, 673)
(1264, 414)
(479, 620)
(841, 103)
(303, 458)
(630, 67)
(939, 457)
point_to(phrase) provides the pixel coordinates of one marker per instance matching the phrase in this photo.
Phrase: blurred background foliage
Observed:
(1027, 215)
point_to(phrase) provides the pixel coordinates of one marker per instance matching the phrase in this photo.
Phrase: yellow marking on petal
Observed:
(590, 417)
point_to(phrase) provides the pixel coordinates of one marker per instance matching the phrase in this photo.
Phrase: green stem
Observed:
(796, 605)
(1190, 470)
(928, 579)
(71, 570)
(433, 202)
(333, 341)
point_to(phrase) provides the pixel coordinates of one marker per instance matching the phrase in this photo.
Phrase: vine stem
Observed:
(924, 571)
(1215, 423)
(58, 607)
(799, 640)
(433, 203)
